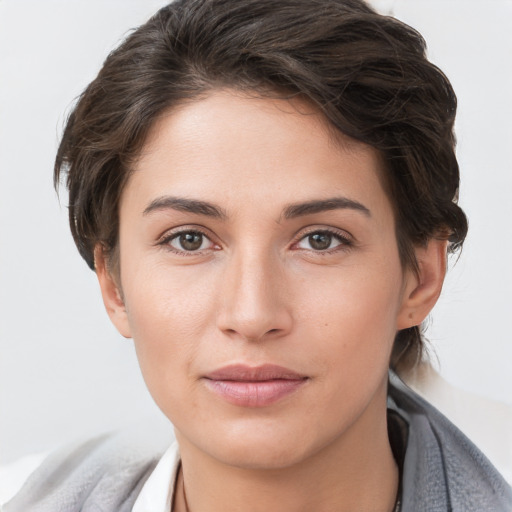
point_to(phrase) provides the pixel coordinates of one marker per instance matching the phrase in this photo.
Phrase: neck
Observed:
(357, 471)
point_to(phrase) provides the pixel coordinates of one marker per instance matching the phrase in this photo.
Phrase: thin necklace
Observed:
(185, 496)
(181, 490)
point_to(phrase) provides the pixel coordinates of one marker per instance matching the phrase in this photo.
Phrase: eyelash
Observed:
(345, 242)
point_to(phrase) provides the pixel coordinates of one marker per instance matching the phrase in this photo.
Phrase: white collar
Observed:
(157, 493)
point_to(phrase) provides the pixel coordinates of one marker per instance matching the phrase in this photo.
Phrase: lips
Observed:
(248, 386)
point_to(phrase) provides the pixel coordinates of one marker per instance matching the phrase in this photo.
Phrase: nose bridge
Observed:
(253, 303)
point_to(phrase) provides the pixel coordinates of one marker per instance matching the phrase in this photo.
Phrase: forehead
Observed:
(247, 113)
(229, 141)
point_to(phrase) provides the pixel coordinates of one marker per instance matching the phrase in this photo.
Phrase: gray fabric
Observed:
(442, 472)
(104, 474)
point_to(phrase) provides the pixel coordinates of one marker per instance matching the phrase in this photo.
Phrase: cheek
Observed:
(353, 320)
(168, 313)
(167, 302)
(347, 334)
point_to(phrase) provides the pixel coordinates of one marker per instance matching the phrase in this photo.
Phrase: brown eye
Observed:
(320, 241)
(189, 241)
(323, 241)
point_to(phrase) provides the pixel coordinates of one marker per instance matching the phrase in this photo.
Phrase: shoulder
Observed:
(14, 474)
(486, 421)
(105, 473)
(442, 467)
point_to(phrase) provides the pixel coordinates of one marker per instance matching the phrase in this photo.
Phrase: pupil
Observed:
(320, 241)
(191, 241)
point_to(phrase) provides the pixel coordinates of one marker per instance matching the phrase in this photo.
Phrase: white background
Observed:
(64, 371)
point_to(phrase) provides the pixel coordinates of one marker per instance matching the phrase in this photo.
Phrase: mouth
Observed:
(259, 386)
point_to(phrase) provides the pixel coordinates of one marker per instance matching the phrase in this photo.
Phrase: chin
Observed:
(258, 456)
(260, 445)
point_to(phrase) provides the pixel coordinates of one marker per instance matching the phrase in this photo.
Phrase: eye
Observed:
(321, 241)
(189, 241)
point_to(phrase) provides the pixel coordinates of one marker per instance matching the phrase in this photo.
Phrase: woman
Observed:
(267, 193)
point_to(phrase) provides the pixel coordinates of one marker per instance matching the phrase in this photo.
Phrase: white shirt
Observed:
(157, 493)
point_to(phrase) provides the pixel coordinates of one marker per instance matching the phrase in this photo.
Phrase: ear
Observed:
(422, 290)
(111, 293)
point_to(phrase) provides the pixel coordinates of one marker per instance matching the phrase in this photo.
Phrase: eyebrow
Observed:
(291, 211)
(185, 205)
(317, 206)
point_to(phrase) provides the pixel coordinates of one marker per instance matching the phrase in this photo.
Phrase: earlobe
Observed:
(110, 291)
(423, 289)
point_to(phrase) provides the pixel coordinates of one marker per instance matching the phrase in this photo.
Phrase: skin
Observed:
(259, 291)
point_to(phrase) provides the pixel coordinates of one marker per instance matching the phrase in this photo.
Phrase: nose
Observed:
(253, 303)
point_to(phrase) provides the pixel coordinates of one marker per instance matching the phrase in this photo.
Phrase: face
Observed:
(260, 278)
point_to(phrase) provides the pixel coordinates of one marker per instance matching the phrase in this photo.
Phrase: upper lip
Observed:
(247, 373)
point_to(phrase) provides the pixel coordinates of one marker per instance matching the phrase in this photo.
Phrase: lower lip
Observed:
(254, 393)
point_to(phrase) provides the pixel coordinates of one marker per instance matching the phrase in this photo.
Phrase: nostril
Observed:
(253, 316)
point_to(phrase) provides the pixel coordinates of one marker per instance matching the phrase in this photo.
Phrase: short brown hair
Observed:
(367, 73)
